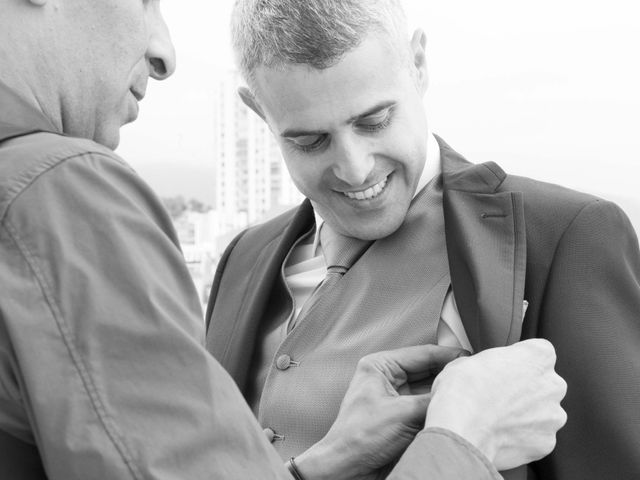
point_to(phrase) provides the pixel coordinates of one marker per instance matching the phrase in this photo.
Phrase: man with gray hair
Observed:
(103, 371)
(401, 242)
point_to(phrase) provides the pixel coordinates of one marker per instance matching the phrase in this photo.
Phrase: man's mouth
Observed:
(368, 193)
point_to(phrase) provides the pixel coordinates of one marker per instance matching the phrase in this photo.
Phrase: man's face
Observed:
(353, 135)
(107, 51)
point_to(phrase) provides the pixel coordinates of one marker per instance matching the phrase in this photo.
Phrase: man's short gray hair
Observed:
(318, 33)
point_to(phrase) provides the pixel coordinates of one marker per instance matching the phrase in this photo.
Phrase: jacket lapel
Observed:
(486, 246)
(236, 331)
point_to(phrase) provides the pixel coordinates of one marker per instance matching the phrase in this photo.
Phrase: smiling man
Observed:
(354, 135)
(401, 241)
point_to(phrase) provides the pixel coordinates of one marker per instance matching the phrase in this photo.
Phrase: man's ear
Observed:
(419, 59)
(250, 101)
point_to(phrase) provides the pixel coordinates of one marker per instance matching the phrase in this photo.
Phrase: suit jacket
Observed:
(572, 256)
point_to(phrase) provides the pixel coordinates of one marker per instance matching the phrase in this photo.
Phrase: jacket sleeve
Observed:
(438, 454)
(591, 313)
(102, 363)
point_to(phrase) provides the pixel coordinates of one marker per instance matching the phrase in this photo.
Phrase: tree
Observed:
(175, 205)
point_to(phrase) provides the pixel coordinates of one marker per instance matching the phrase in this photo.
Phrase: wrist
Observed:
(293, 469)
(471, 431)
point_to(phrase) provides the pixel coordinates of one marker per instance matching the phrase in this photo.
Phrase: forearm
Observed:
(435, 453)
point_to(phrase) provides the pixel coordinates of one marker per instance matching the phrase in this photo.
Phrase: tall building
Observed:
(251, 178)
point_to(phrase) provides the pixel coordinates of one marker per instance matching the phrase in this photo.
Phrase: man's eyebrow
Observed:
(373, 110)
(293, 133)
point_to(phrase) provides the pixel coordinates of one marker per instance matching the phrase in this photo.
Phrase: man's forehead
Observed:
(313, 110)
(299, 94)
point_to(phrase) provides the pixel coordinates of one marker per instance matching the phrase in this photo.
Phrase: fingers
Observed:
(504, 400)
(560, 386)
(410, 363)
(538, 349)
(412, 409)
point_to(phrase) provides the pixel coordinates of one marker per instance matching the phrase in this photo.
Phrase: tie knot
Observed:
(340, 251)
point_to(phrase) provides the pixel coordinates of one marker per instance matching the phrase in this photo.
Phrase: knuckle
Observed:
(556, 418)
(548, 444)
(562, 418)
(543, 346)
(562, 386)
(368, 362)
(556, 386)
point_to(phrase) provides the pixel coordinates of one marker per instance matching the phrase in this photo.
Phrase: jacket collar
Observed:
(486, 246)
(18, 117)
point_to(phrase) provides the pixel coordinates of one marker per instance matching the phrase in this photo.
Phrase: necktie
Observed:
(340, 253)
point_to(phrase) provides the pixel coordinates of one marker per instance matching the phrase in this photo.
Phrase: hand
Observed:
(376, 423)
(505, 401)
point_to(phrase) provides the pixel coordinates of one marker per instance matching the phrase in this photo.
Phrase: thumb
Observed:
(414, 363)
(412, 409)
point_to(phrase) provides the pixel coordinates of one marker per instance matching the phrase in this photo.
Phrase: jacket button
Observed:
(270, 434)
(283, 362)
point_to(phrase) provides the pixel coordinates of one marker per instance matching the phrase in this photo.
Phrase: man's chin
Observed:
(371, 231)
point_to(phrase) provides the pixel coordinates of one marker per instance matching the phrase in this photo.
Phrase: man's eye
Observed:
(377, 121)
(308, 143)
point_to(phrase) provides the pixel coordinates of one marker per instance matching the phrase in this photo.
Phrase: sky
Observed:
(548, 89)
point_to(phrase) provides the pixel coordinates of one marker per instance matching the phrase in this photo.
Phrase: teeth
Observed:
(369, 193)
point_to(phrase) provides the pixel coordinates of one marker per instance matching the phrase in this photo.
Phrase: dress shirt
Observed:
(305, 266)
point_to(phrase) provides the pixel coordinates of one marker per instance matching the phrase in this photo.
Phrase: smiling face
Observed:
(105, 52)
(353, 135)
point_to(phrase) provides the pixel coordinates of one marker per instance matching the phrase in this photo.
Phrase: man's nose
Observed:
(353, 161)
(161, 55)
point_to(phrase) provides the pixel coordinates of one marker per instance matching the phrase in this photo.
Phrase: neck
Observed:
(25, 69)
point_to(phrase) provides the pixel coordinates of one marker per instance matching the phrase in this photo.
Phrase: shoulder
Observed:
(40, 168)
(556, 216)
(49, 180)
(36, 152)
(37, 158)
(549, 196)
(550, 207)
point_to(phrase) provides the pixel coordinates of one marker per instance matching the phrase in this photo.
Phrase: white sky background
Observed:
(548, 89)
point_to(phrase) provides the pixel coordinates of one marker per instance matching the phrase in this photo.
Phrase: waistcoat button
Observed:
(270, 434)
(283, 362)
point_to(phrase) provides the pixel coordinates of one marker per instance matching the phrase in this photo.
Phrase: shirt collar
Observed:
(18, 117)
(431, 168)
